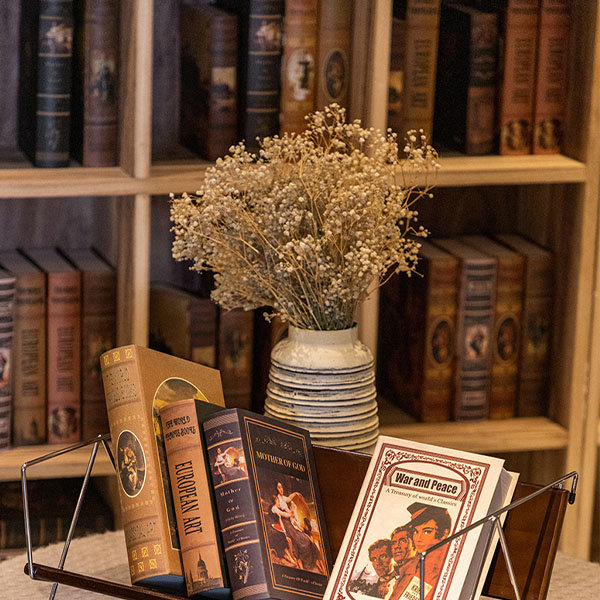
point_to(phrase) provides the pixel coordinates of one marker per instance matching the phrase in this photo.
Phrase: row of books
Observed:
(58, 314)
(481, 76)
(471, 338)
(68, 85)
(233, 501)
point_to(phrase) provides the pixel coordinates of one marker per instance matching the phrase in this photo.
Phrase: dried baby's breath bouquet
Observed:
(310, 223)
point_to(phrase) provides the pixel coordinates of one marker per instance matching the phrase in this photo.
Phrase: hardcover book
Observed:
(334, 45)
(183, 324)
(414, 496)
(475, 314)
(298, 64)
(465, 93)
(95, 105)
(193, 497)
(417, 333)
(63, 343)
(396, 94)
(536, 329)
(551, 86)
(7, 303)
(45, 81)
(29, 357)
(208, 66)
(260, 24)
(98, 334)
(269, 506)
(138, 382)
(506, 332)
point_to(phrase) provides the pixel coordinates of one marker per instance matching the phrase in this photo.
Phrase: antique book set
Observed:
(520, 569)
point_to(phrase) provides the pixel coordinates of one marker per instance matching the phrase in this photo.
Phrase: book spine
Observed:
(7, 299)
(518, 77)
(299, 62)
(203, 332)
(481, 93)
(551, 77)
(437, 387)
(237, 508)
(64, 357)
(235, 349)
(53, 107)
(152, 548)
(334, 47)
(475, 317)
(534, 372)
(100, 86)
(263, 70)
(29, 408)
(507, 334)
(191, 488)
(422, 29)
(397, 77)
(98, 334)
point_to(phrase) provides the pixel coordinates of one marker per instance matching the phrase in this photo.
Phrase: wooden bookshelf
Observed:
(555, 201)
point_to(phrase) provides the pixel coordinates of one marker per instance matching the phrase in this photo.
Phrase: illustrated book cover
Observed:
(138, 382)
(413, 497)
(269, 506)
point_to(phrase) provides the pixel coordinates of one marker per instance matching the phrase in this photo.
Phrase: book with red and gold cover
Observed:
(138, 382)
(413, 497)
(269, 506)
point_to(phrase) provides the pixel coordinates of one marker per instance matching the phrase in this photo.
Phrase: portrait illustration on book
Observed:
(507, 338)
(5, 354)
(476, 342)
(516, 134)
(300, 74)
(267, 37)
(293, 535)
(228, 462)
(336, 68)
(63, 421)
(442, 340)
(131, 462)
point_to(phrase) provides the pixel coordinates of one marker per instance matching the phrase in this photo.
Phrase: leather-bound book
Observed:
(183, 324)
(465, 93)
(235, 350)
(138, 382)
(396, 92)
(269, 506)
(29, 357)
(7, 303)
(475, 315)
(536, 332)
(298, 64)
(208, 67)
(98, 334)
(506, 338)
(202, 555)
(422, 30)
(63, 320)
(45, 81)
(551, 85)
(417, 332)
(334, 46)
(95, 110)
(260, 25)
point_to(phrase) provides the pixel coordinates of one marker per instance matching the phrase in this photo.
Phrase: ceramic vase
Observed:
(324, 381)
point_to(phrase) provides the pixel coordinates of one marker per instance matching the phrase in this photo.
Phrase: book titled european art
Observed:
(413, 497)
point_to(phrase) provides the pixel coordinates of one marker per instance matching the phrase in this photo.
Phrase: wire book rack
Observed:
(58, 575)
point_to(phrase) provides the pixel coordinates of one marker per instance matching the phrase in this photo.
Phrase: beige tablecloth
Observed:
(104, 556)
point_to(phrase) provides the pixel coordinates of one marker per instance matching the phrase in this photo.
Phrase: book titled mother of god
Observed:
(414, 496)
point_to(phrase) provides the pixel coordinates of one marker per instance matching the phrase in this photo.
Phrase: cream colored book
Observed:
(413, 497)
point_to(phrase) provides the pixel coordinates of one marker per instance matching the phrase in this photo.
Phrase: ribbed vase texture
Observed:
(324, 381)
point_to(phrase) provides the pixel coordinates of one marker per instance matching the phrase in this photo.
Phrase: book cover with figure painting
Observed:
(269, 506)
(413, 497)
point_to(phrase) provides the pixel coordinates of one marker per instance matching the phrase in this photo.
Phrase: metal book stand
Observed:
(58, 575)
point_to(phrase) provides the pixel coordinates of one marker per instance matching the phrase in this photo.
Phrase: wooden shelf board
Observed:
(494, 436)
(459, 171)
(186, 175)
(72, 464)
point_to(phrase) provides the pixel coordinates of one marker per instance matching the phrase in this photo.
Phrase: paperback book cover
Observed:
(269, 506)
(414, 496)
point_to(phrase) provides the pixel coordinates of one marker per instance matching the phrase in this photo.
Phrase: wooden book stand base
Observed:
(531, 530)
